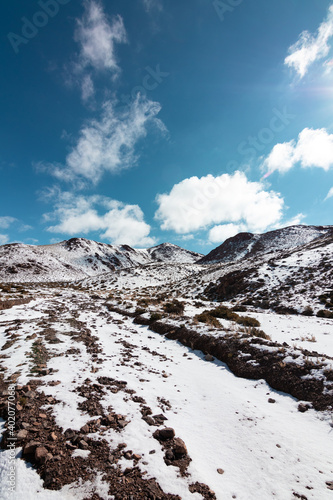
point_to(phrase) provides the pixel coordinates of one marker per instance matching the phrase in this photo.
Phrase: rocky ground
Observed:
(113, 402)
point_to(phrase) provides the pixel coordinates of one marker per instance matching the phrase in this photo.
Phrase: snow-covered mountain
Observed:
(247, 245)
(78, 258)
(167, 252)
(291, 280)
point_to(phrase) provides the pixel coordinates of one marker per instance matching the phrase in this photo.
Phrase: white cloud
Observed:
(314, 148)
(108, 144)
(115, 221)
(97, 37)
(151, 5)
(197, 203)
(6, 221)
(220, 233)
(3, 239)
(310, 48)
(294, 221)
(329, 194)
(87, 87)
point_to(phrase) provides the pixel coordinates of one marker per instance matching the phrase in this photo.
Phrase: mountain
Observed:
(248, 245)
(167, 252)
(78, 258)
(289, 280)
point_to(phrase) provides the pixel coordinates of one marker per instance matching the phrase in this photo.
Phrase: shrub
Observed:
(308, 311)
(324, 314)
(259, 333)
(239, 308)
(206, 317)
(247, 321)
(155, 316)
(224, 313)
(139, 311)
(174, 307)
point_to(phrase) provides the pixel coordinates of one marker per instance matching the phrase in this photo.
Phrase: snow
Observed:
(266, 450)
(307, 332)
(78, 258)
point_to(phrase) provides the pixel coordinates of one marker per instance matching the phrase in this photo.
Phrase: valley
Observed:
(169, 377)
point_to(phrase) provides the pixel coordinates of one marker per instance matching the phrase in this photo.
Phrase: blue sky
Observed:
(144, 121)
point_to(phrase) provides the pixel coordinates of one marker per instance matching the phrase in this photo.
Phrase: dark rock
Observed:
(302, 407)
(41, 454)
(166, 433)
(179, 447)
(30, 448)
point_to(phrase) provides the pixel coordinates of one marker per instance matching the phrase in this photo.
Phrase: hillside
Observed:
(78, 257)
(143, 374)
(248, 245)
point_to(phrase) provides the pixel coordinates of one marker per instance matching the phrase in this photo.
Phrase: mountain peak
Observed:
(245, 245)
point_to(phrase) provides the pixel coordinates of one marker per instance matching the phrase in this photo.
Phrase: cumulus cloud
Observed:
(115, 221)
(198, 203)
(220, 233)
(310, 48)
(329, 194)
(294, 221)
(108, 144)
(97, 37)
(314, 148)
(6, 221)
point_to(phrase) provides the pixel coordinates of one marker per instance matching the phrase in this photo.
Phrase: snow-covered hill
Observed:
(296, 280)
(247, 245)
(145, 374)
(78, 258)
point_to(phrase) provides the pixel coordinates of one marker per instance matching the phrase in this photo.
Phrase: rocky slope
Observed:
(247, 245)
(78, 258)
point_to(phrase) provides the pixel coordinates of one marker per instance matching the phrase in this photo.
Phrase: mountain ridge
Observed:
(78, 258)
(247, 245)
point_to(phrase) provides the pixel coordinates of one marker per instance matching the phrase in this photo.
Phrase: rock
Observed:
(41, 454)
(137, 457)
(209, 357)
(128, 455)
(42, 415)
(149, 420)
(30, 448)
(166, 433)
(21, 435)
(220, 471)
(25, 425)
(329, 485)
(302, 407)
(19, 407)
(83, 445)
(53, 436)
(159, 418)
(76, 439)
(179, 447)
(122, 423)
(169, 455)
(85, 429)
(271, 400)
(30, 394)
